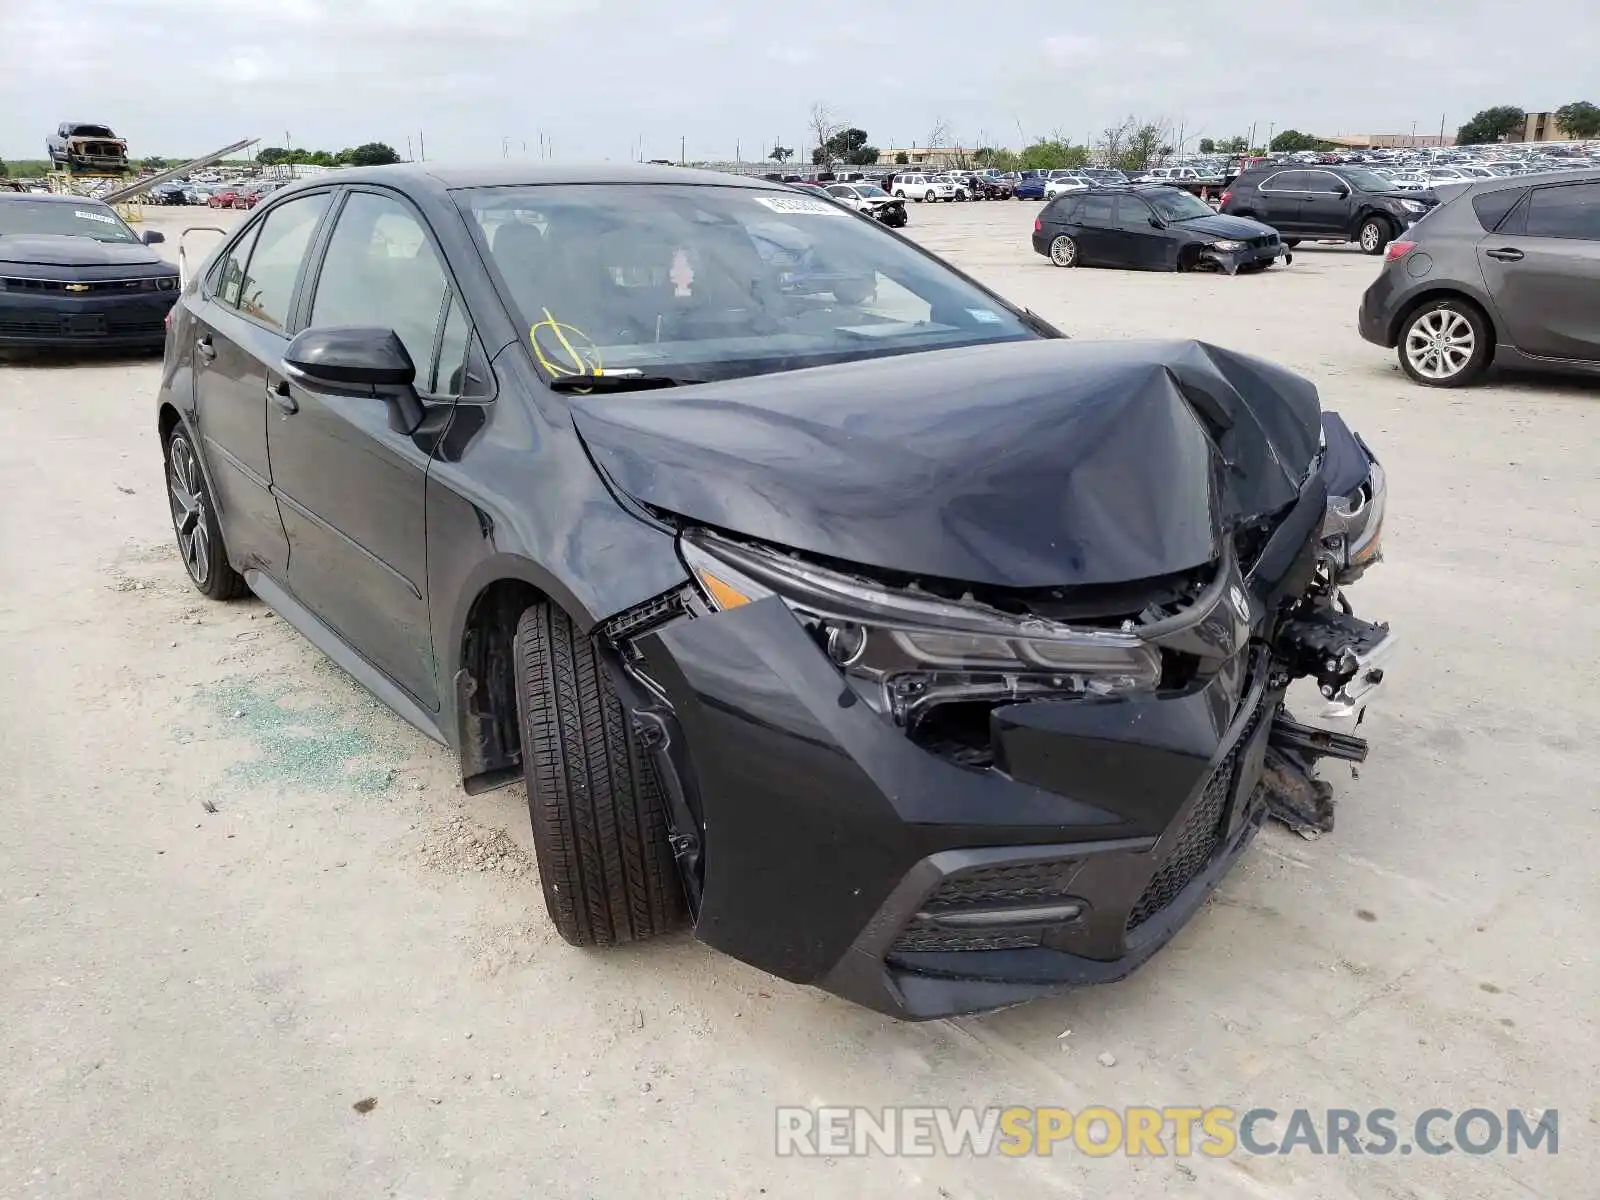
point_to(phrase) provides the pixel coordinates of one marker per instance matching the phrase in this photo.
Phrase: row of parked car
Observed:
(1503, 269)
(214, 195)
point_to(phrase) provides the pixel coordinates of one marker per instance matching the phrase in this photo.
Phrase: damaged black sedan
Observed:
(1152, 228)
(825, 601)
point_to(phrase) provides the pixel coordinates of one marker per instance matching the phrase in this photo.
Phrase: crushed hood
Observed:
(1031, 464)
(1221, 225)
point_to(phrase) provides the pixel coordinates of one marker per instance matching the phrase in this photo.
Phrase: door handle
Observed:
(204, 347)
(278, 393)
(1505, 254)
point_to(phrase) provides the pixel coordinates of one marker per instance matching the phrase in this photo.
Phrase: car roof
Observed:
(435, 177)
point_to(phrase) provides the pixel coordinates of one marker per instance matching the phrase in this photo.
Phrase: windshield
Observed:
(1178, 206)
(717, 282)
(870, 190)
(1367, 181)
(87, 218)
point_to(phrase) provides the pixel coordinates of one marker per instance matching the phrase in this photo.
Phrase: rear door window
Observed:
(1492, 207)
(1571, 212)
(1096, 210)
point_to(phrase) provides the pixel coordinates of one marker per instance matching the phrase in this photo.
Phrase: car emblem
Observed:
(1240, 605)
(77, 287)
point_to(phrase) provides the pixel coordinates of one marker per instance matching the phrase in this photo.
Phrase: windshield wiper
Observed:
(616, 381)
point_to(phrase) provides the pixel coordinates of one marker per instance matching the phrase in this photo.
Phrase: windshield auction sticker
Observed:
(94, 216)
(801, 206)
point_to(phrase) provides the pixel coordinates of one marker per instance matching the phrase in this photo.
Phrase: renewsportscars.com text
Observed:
(1215, 1132)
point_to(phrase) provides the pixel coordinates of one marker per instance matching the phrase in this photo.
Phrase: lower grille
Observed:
(1009, 884)
(1194, 843)
(1012, 883)
(933, 940)
(1192, 847)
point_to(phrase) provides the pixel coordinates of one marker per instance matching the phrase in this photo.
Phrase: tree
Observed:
(781, 153)
(1233, 145)
(1580, 119)
(269, 156)
(5, 171)
(991, 157)
(1207, 146)
(154, 162)
(901, 158)
(1134, 146)
(848, 145)
(1052, 154)
(373, 154)
(1492, 125)
(1291, 140)
(823, 124)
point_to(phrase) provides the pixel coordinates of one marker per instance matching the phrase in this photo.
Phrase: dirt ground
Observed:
(194, 1002)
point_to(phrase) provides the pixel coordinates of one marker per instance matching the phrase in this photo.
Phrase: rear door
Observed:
(239, 331)
(1094, 229)
(1283, 195)
(1543, 270)
(350, 487)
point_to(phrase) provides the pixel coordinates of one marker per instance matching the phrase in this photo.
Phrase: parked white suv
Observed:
(924, 187)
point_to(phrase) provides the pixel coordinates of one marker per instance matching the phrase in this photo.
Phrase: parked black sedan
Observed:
(901, 645)
(1153, 228)
(72, 274)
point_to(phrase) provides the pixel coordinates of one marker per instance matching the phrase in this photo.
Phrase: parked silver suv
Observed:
(1504, 271)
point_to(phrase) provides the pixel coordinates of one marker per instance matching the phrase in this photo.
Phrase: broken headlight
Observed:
(1226, 246)
(906, 651)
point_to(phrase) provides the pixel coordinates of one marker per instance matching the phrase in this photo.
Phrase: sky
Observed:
(591, 80)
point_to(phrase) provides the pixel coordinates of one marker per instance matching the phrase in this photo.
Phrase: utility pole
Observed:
(422, 146)
(505, 146)
(1441, 129)
(1272, 128)
(1413, 135)
(408, 148)
(1250, 149)
(736, 157)
(683, 143)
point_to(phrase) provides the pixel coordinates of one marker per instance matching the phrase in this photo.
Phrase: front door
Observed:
(1138, 243)
(1326, 208)
(349, 486)
(1543, 271)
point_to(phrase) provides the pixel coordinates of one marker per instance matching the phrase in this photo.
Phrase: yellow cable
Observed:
(579, 361)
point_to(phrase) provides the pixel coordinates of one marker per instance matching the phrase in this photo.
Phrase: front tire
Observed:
(1063, 251)
(194, 522)
(1445, 343)
(1375, 233)
(598, 814)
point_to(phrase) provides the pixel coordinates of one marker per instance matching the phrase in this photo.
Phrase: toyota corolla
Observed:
(826, 601)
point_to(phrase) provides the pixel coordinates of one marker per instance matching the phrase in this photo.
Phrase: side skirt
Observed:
(347, 659)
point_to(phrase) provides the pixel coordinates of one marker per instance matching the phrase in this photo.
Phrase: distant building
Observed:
(1541, 127)
(1386, 141)
(922, 156)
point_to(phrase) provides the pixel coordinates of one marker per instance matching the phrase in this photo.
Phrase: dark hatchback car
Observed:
(1505, 271)
(902, 646)
(1151, 228)
(1342, 203)
(72, 274)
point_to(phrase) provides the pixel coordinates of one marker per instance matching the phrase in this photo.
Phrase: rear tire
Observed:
(1446, 343)
(1063, 251)
(1375, 233)
(194, 522)
(599, 817)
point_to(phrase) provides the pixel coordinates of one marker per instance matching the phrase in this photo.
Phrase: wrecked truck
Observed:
(76, 146)
(893, 642)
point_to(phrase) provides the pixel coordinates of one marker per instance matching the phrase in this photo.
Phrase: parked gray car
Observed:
(1504, 271)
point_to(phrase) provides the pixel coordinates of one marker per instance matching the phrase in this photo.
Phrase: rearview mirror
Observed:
(358, 359)
(152, 237)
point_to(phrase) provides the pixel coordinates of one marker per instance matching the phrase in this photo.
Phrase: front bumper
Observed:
(840, 853)
(93, 319)
(1232, 261)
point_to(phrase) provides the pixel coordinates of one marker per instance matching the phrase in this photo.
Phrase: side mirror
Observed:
(359, 360)
(1342, 192)
(152, 237)
(1157, 223)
